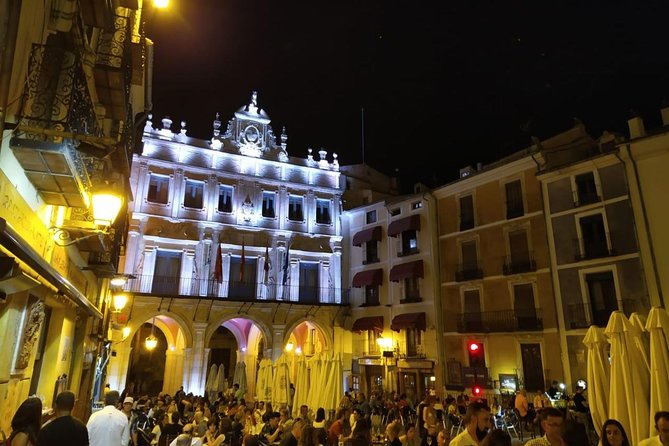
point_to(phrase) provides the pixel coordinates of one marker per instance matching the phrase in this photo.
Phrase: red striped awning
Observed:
(404, 224)
(367, 235)
(369, 277)
(372, 323)
(406, 271)
(409, 321)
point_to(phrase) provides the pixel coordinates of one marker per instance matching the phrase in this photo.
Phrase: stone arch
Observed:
(262, 326)
(184, 326)
(327, 332)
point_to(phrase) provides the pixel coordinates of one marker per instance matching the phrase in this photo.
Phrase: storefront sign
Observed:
(414, 364)
(370, 361)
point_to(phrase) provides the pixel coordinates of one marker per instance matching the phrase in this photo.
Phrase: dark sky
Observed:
(443, 84)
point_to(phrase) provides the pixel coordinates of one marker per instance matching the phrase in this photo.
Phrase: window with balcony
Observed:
(268, 204)
(370, 217)
(371, 295)
(525, 311)
(166, 272)
(411, 290)
(514, 199)
(586, 189)
(309, 283)
(409, 242)
(243, 278)
(371, 252)
(520, 259)
(593, 243)
(224, 198)
(469, 268)
(471, 311)
(412, 341)
(466, 212)
(159, 188)
(193, 195)
(323, 211)
(603, 298)
(295, 205)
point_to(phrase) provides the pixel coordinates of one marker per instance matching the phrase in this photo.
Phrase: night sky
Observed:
(443, 84)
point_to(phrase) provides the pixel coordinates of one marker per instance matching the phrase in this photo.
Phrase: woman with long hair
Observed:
(26, 423)
(613, 434)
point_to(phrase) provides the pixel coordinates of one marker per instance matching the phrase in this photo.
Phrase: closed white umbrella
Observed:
(210, 385)
(628, 393)
(281, 382)
(240, 376)
(301, 385)
(264, 382)
(221, 383)
(598, 376)
(334, 387)
(658, 327)
(316, 380)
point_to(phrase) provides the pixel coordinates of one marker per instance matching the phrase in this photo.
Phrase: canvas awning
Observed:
(406, 271)
(404, 224)
(409, 321)
(369, 277)
(367, 235)
(371, 323)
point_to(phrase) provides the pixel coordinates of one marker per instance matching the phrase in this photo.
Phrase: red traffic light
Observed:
(474, 347)
(477, 391)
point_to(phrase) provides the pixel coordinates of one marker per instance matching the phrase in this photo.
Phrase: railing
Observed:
(170, 286)
(467, 273)
(113, 48)
(514, 209)
(584, 315)
(56, 95)
(587, 249)
(516, 266)
(501, 321)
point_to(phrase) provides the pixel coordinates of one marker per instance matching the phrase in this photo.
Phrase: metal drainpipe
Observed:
(658, 284)
(436, 285)
(10, 27)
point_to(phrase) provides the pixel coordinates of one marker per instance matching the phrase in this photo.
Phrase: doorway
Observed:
(533, 370)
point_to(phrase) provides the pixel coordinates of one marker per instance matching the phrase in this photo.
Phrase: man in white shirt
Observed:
(109, 426)
(662, 427)
(477, 421)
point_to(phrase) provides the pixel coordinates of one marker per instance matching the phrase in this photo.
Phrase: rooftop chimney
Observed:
(665, 115)
(636, 127)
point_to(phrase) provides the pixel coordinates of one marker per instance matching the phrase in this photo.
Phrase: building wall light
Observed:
(125, 333)
(290, 346)
(106, 207)
(119, 301)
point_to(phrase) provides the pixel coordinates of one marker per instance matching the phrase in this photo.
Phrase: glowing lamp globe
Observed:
(151, 342)
(119, 301)
(473, 347)
(161, 4)
(125, 332)
(105, 208)
(289, 346)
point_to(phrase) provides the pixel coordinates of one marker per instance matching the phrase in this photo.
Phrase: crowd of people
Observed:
(388, 420)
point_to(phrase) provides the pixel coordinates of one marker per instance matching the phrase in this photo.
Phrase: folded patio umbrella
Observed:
(658, 327)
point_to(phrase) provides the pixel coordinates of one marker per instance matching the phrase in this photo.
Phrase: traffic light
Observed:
(476, 390)
(476, 354)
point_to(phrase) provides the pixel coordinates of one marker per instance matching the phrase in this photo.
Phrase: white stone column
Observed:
(197, 359)
(132, 250)
(186, 284)
(177, 191)
(146, 281)
(277, 344)
(117, 369)
(186, 366)
(250, 361)
(335, 270)
(172, 377)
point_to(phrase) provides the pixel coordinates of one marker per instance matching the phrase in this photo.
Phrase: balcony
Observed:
(584, 315)
(468, 272)
(56, 102)
(593, 249)
(501, 321)
(235, 291)
(518, 266)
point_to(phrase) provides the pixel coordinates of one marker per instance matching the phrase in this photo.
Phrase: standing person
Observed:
(662, 427)
(64, 428)
(26, 423)
(171, 430)
(430, 419)
(477, 419)
(551, 422)
(294, 435)
(109, 426)
(580, 404)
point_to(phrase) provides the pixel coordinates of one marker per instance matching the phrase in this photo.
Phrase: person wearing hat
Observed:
(127, 406)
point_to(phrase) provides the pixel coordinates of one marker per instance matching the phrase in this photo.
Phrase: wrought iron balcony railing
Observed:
(170, 286)
(593, 249)
(585, 315)
(501, 321)
(518, 266)
(468, 273)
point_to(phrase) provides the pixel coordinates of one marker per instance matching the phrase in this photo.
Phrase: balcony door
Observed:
(603, 298)
(520, 250)
(594, 236)
(471, 310)
(533, 369)
(523, 306)
(166, 272)
(243, 285)
(470, 260)
(309, 285)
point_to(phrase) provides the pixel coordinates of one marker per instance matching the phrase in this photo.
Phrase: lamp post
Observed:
(151, 342)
